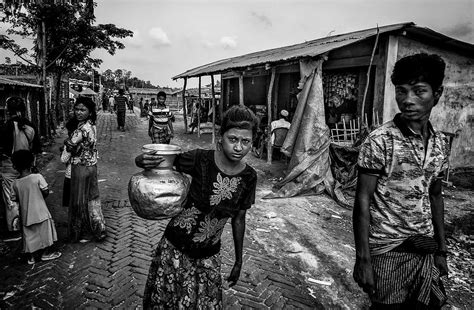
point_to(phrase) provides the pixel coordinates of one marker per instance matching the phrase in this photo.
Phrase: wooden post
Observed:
(199, 110)
(275, 98)
(213, 111)
(227, 96)
(269, 113)
(241, 88)
(185, 119)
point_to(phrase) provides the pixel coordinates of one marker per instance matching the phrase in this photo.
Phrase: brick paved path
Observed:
(112, 274)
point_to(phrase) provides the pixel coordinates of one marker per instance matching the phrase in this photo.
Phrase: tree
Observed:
(67, 29)
(108, 75)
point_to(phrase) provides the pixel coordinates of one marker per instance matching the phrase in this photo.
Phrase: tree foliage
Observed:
(71, 35)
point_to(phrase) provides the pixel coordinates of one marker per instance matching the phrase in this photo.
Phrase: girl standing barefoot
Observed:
(185, 271)
(29, 190)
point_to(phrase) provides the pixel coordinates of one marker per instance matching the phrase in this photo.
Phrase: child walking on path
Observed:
(29, 190)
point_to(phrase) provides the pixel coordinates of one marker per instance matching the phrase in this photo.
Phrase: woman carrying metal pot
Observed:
(185, 270)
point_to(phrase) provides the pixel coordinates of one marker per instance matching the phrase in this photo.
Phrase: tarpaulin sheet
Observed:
(307, 142)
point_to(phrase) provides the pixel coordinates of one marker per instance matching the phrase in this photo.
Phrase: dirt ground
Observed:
(319, 235)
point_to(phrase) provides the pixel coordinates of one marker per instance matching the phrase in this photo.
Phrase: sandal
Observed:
(51, 256)
(31, 261)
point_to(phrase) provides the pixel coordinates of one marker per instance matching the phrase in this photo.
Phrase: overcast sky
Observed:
(172, 36)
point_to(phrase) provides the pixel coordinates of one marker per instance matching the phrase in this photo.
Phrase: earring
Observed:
(219, 145)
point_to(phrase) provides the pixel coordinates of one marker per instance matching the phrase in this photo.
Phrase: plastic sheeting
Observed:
(307, 142)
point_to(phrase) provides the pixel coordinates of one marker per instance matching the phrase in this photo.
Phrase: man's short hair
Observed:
(419, 68)
(121, 91)
(16, 104)
(161, 94)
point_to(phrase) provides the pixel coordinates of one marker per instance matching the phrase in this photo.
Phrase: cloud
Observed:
(159, 36)
(462, 30)
(262, 19)
(228, 42)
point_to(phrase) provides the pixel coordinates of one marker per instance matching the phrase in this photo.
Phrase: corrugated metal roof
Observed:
(5, 81)
(313, 48)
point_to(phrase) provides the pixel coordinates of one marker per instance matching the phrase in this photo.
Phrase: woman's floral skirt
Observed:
(85, 212)
(176, 281)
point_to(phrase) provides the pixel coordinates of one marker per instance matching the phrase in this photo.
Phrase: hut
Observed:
(348, 74)
(31, 93)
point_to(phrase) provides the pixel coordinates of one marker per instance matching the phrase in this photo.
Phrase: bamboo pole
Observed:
(269, 113)
(368, 76)
(221, 101)
(344, 129)
(275, 98)
(227, 99)
(185, 119)
(241, 88)
(199, 110)
(44, 77)
(213, 110)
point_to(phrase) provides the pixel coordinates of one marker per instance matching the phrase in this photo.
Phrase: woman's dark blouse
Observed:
(213, 198)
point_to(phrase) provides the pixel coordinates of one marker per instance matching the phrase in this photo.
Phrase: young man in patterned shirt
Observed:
(398, 213)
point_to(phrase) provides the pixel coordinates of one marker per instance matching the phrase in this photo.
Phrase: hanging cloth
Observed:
(307, 142)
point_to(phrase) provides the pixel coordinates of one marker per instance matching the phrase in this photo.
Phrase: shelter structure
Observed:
(31, 93)
(344, 80)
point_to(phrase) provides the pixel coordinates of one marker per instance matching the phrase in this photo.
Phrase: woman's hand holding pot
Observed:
(148, 160)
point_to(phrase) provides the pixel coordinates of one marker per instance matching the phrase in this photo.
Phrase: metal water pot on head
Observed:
(159, 193)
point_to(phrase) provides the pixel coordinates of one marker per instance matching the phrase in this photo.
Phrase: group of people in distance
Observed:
(397, 218)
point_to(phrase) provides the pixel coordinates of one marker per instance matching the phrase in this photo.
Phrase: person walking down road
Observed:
(130, 104)
(160, 126)
(121, 103)
(111, 104)
(398, 214)
(143, 108)
(29, 190)
(194, 116)
(105, 102)
(18, 133)
(86, 220)
(146, 108)
(185, 270)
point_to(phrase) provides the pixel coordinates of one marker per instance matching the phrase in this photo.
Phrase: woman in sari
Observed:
(86, 220)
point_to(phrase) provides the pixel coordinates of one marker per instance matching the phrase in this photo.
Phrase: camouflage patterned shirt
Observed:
(401, 205)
